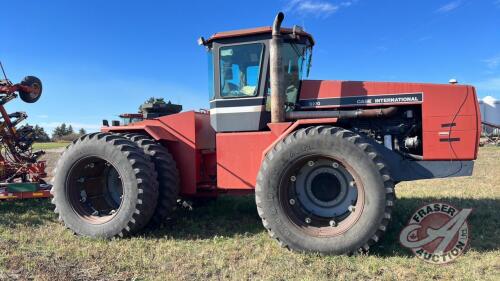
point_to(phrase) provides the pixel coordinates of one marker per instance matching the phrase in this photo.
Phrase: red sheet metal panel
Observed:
(239, 156)
(185, 135)
(441, 104)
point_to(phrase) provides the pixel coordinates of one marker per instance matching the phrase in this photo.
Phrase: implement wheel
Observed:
(36, 85)
(104, 186)
(324, 189)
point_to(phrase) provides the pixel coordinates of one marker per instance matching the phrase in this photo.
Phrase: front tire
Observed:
(324, 189)
(104, 186)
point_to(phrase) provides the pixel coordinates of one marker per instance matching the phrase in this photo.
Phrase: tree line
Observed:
(62, 132)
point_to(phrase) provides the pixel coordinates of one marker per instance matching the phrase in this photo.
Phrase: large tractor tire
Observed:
(104, 186)
(168, 176)
(324, 189)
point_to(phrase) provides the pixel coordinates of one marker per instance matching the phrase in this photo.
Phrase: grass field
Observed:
(49, 145)
(226, 241)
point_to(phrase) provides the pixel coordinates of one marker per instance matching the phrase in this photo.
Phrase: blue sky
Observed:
(101, 58)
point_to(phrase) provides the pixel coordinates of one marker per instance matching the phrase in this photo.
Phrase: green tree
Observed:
(58, 132)
(154, 101)
(40, 134)
(63, 129)
(82, 132)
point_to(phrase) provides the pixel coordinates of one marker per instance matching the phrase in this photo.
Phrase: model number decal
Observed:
(364, 100)
(313, 103)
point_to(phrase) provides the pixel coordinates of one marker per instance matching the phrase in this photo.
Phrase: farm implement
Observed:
(21, 171)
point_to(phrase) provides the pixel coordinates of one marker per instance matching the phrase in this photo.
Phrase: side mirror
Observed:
(35, 86)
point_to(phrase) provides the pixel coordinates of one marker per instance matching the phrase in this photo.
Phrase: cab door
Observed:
(238, 103)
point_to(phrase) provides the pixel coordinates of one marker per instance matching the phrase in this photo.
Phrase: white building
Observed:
(490, 114)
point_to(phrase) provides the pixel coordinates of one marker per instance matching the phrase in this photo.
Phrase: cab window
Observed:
(294, 57)
(210, 75)
(240, 70)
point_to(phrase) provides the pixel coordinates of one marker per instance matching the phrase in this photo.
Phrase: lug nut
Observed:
(335, 165)
(352, 209)
(293, 178)
(333, 223)
(308, 220)
(352, 183)
(292, 201)
(310, 163)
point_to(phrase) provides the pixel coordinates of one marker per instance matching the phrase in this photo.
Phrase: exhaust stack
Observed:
(277, 75)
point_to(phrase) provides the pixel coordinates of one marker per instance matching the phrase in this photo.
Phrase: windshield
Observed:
(296, 61)
(129, 120)
(240, 69)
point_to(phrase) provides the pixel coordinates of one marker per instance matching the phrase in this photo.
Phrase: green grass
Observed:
(226, 241)
(49, 145)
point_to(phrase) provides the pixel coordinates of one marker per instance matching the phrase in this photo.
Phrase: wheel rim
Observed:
(321, 196)
(95, 190)
(33, 96)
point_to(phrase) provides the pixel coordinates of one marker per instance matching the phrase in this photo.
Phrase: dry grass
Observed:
(225, 240)
(49, 145)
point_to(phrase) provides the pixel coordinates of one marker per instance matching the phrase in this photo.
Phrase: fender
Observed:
(281, 130)
(157, 131)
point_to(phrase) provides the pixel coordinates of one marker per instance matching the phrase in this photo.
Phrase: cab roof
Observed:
(257, 31)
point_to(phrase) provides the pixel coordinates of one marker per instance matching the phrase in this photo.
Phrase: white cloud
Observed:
(317, 8)
(493, 62)
(489, 86)
(449, 7)
(314, 7)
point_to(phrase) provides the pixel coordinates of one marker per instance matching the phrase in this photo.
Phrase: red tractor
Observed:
(322, 157)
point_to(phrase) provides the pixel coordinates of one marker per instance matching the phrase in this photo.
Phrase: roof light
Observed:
(453, 81)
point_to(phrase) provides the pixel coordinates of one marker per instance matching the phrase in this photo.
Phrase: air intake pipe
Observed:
(277, 75)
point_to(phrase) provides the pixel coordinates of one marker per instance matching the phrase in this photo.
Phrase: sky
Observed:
(100, 58)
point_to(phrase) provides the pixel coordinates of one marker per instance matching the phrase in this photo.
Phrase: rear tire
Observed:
(104, 186)
(324, 189)
(167, 176)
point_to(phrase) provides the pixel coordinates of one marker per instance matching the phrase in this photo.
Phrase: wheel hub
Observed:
(95, 190)
(324, 189)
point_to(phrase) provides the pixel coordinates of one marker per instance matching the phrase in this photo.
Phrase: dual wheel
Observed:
(110, 185)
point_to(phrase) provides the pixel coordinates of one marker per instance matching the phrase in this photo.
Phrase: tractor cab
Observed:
(239, 75)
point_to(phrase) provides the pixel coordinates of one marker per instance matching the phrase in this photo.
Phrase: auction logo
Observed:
(437, 233)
